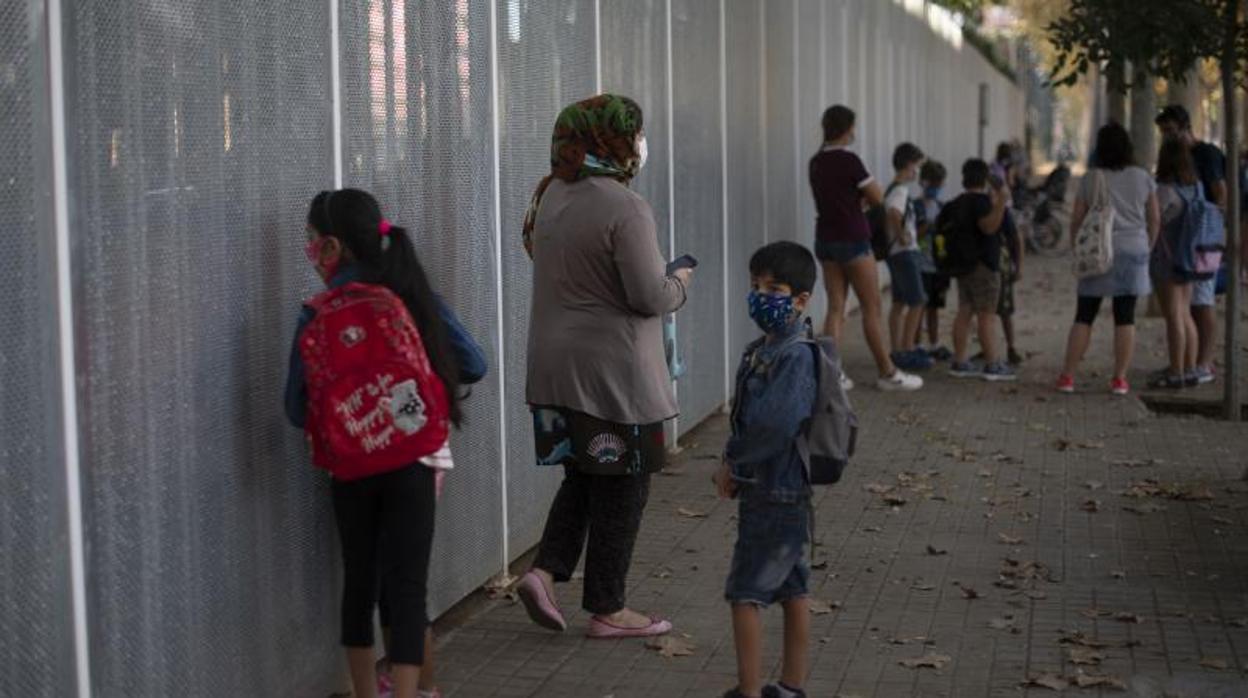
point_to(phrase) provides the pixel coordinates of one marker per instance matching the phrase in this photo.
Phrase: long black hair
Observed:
(354, 217)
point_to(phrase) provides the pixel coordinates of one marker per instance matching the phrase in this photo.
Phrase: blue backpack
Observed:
(1201, 238)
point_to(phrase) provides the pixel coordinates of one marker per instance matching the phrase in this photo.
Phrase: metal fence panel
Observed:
(746, 162)
(199, 133)
(699, 203)
(417, 130)
(36, 622)
(545, 61)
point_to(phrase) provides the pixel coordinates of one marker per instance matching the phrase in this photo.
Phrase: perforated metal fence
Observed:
(197, 131)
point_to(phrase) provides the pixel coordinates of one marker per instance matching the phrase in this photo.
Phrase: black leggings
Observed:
(607, 510)
(399, 504)
(1089, 306)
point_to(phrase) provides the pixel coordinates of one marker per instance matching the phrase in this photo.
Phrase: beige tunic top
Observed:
(599, 293)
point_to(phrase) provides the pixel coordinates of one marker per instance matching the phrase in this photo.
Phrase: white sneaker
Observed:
(899, 381)
(847, 383)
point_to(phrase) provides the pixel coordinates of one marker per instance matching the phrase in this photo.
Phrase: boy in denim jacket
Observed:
(776, 388)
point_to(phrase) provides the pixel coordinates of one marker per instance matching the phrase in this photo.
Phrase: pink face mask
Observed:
(313, 251)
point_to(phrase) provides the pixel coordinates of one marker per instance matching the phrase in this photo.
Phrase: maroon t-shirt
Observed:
(836, 178)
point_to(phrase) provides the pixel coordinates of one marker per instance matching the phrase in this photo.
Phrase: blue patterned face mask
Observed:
(772, 312)
(932, 192)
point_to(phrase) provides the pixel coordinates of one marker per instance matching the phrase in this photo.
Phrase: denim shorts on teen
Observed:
(906, 270)
(841, 252)
(768, 562)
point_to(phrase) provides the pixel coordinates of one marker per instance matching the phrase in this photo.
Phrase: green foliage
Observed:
(1167, 37)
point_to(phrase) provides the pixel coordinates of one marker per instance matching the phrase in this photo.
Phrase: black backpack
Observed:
(877, 218)
(955, 244)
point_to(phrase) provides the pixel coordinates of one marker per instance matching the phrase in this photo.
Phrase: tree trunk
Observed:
(1143, 110)
(1230, 55)
(1115, 99)
(1187, 95)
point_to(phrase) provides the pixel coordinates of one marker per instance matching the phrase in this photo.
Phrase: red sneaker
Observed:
(1119, 386)
(1065, 383)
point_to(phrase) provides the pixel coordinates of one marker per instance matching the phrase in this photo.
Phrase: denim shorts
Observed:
(768, 563)
(1203, 292)
(841, 252)
(905, 268)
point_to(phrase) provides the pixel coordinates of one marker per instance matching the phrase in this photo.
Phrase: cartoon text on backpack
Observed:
(374, 401)
(406, 408)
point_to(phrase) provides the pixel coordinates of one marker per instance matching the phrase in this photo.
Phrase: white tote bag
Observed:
(1094, 243)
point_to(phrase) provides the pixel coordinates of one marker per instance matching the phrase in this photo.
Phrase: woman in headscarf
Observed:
(598, 381)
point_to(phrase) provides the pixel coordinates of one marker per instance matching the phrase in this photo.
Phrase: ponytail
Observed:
(385, 256)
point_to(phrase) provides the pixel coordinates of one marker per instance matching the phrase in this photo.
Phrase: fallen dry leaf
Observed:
(1035, 594)
(922, 586)
(1046, 680)
(671, 646)
(933, 550)
(1091, 505)
(871, 529)
(1129, 617)
(1214, 663)
(984, 473)
(1144, 508)
(894, 500)
(691, 514)
(969, 593)
(877, 488)
(1085, 656)
(930, 660)
(663, 574)
(1094, 484)
(1010, 540)
(1138, 462)
(1095, 613)
(1083, 680)
(1239, 622)
(1080, 638)
(1004, 623)
(1118, 574)
(907, 640)
(819, 607)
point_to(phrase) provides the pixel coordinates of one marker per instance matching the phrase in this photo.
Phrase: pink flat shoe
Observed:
(537, 602)
(600, 629)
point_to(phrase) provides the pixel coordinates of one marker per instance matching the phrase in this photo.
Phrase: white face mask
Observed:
(643, 153)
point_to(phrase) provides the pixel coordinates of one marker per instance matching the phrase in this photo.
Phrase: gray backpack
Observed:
(832, 431)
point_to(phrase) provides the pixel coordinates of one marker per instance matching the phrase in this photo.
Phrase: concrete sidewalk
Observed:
(1004, 532)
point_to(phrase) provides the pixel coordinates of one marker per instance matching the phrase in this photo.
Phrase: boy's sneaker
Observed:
(1166, 380)
(1014, 358)
(911, 360)
(941, 353)
(899, 381)
(999, 371)
(779, 690)
(1203, 375)
(1065, 383)
(965, 369)
(1119, 386)
(847, 383)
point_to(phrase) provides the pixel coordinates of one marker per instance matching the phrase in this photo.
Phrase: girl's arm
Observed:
(296, 385)
(471, 359)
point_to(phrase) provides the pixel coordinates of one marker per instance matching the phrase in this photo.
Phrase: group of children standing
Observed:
(379, 360)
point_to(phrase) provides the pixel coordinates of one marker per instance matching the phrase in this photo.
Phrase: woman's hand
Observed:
(685, 275)
(725, 486)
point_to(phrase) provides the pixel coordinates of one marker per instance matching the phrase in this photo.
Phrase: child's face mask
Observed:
(772, 312)
(326, 269)
(932, 192)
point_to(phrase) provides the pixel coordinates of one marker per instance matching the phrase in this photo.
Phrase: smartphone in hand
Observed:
(683, 262)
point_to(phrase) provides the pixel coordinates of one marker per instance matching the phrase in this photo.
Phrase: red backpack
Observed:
(374, 402)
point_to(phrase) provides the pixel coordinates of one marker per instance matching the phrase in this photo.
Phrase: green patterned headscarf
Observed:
(596, 137)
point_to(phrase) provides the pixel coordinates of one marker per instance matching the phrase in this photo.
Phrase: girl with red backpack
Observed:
(374, 380)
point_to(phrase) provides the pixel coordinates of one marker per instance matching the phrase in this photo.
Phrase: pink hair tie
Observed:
(384, 227)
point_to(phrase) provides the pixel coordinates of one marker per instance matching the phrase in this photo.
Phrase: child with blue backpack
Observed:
(374, 380)
(764, 469)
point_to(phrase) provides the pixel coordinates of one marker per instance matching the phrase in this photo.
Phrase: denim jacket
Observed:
(472, 364)
(775, 395)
